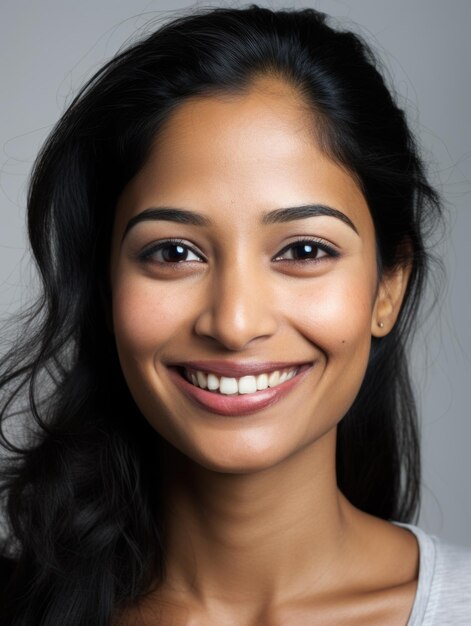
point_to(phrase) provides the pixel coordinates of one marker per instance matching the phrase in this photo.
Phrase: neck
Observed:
(243, 536)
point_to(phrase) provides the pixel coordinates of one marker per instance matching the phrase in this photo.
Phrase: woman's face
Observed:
(250, 282)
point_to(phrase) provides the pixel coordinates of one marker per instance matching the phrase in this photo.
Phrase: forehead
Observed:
(241, 155)
(234, 133)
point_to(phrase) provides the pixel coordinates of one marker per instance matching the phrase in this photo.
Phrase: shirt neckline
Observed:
(427, 557)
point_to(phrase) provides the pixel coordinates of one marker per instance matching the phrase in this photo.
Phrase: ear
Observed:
(389, 298)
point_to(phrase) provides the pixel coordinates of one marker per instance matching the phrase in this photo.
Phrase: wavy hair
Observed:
(83, 491)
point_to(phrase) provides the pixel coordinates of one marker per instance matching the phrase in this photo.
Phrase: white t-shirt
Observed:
(444, 587)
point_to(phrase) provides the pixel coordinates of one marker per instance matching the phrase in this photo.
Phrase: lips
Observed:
(237, 405)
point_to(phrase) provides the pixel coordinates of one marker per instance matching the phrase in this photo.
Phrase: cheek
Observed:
(335, 313)
(144, 316)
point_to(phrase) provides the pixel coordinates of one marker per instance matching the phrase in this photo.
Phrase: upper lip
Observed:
(236, 370)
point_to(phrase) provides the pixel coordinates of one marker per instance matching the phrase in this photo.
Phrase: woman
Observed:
(229, 225)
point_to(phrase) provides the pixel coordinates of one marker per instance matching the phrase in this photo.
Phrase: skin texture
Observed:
(259, 532)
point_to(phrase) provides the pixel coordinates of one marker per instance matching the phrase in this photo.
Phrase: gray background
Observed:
(49, 47)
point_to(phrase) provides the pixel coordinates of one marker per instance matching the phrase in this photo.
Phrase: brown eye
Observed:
(169, 252)
(173, 253)
(303, 251)
(306, 250)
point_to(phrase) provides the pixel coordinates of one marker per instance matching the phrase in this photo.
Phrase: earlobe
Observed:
(389, 298)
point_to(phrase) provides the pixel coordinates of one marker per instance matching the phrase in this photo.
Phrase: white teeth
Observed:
(201, 379)
(228, 386)
(273, 379)
(213, 382)
(245, 384)
(262, 382)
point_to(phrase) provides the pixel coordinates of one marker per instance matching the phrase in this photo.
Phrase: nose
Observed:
(239, 307)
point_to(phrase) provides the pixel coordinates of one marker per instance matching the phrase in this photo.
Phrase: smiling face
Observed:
(252, 279)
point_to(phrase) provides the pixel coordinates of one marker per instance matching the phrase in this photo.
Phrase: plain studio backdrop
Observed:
(49, 48)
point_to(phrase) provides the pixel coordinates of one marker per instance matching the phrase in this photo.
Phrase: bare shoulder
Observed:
(388, 557)
(379, 587)
(381, 583)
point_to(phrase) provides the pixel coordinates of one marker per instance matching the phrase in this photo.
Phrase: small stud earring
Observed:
(381, 324)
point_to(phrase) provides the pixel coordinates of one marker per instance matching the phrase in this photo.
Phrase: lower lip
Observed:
(237, 405)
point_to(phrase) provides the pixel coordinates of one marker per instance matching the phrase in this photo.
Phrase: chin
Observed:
(237, 466)
(246, 460)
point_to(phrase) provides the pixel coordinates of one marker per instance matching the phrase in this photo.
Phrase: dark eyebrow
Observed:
(303, 212)
(169, 214)
(277, 216)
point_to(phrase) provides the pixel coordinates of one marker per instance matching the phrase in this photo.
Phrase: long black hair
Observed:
(83, 483)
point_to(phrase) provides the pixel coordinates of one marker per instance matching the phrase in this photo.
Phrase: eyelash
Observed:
(146, 255)
(319, 244)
